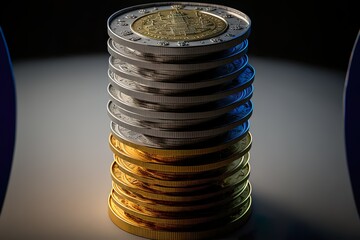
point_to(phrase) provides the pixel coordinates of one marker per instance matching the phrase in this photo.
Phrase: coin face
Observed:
(179, 24)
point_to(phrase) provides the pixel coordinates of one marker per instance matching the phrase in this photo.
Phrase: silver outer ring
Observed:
(238, 30)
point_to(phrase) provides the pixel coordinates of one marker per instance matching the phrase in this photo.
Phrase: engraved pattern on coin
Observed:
(179, 25)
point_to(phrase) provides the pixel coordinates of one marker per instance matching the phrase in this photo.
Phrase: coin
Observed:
(174, 207)
(184, 217)
(152, 78)
(179, 163)
(231, 120)
(181, 59)
(118, 51)
(180, 111)
(154, 191)
(132, 88)
(148, 229)
(166, 146)
(238, 114)
(186, 42)
(176, 180)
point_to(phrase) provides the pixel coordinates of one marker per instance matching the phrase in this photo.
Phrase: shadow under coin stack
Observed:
(180, 90)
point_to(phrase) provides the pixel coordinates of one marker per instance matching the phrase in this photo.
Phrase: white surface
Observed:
(60, 177)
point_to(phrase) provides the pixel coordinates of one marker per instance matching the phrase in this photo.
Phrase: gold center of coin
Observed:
(179, 25)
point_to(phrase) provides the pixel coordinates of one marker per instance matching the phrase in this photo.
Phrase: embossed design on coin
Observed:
(179, 25)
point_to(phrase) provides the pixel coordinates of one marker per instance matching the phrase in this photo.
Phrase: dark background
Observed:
(304, 31)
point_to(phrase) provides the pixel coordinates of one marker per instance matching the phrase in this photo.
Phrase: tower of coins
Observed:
(179, 87)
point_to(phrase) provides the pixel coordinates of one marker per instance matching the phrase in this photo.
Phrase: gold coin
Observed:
(165, 231)
(181, 163)
(183, 203)
(180, 153)
(152, 191)
(174, 180)
(181, 218)
(172, 208)
(179, 25)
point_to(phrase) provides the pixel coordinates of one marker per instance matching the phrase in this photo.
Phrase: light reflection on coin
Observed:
(181, 163)
(154, 191)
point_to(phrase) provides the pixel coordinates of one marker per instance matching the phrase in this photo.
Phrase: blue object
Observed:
(8, 117)
(352, 121)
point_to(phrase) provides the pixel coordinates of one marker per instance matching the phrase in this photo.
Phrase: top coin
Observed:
(172, 28)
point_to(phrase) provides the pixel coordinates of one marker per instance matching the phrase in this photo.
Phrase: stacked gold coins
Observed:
(180, 89)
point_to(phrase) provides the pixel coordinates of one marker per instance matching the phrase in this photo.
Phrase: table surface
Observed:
(60, 177)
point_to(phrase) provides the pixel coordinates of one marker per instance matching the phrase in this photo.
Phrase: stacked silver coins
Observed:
(180, 89)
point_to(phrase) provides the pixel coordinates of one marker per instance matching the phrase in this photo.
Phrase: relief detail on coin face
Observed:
(179, 25)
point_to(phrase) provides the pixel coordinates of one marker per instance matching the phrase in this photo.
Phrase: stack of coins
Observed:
(180, 89)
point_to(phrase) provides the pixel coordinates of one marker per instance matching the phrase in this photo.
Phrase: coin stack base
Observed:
(180, 89)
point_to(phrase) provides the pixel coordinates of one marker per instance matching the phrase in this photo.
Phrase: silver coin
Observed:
(158, 110)
(245, 79)
(124, 134)
(165, 123)
(118, 51)
(121, 31)
(154, 79)
(204, 95)
(181, 58)
(238, 114)
(211, 129)
(175, 123)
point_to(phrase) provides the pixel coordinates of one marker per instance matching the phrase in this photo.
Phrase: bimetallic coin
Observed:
(191, 29)
(152, 230)
(118, 51)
